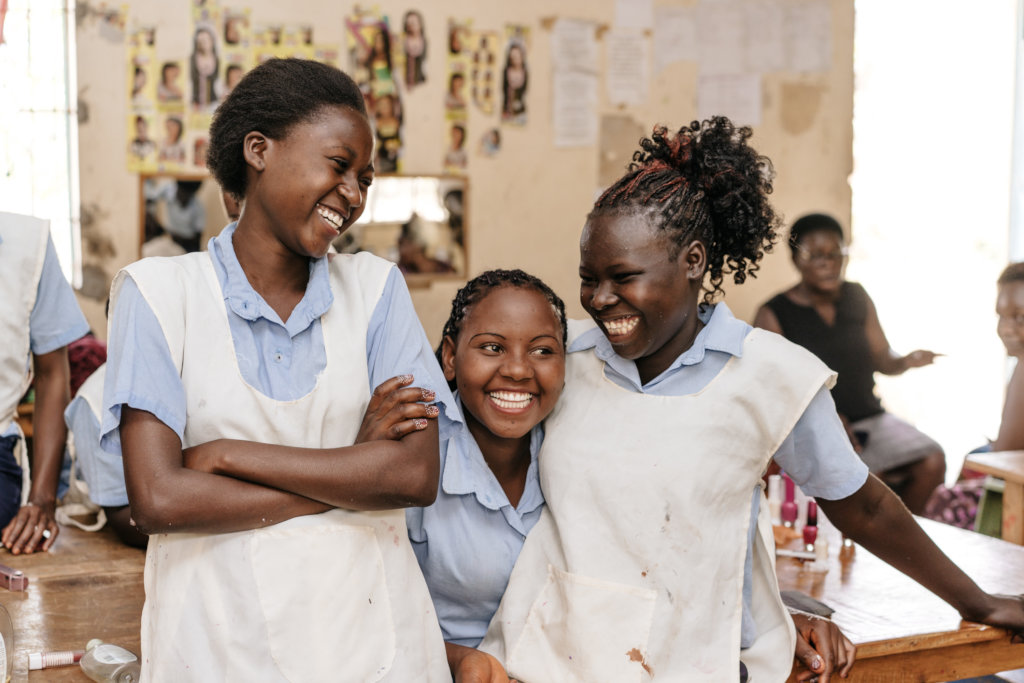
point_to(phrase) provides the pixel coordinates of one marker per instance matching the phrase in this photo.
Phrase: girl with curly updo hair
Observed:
(270, 476)
(655, 554)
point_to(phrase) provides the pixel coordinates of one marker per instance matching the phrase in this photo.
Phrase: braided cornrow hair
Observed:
(484, 283)
(702, 182)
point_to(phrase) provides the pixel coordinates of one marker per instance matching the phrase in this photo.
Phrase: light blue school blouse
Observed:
(101, 470)
(467, 541)
(280, 359)
(817, 454)
(55, 320)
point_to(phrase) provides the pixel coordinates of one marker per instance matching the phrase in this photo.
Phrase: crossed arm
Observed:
(229, 485)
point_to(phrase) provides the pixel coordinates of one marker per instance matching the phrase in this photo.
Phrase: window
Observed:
(38, 121)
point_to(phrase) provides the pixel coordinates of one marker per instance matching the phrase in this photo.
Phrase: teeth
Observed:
(332, 217)
(511, 399)
(621, 325)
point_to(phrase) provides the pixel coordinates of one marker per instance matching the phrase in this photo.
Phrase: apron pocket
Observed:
(584, 629)
(325, 600)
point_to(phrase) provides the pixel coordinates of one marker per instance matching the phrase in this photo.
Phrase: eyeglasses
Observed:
(819, 256)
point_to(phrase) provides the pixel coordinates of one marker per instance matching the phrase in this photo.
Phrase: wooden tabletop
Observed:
(88, 586)
(902, 631)
(1009, 466)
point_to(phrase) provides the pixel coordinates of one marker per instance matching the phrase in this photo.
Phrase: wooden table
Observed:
(1009, 466)
(88, 586)
(902, 631)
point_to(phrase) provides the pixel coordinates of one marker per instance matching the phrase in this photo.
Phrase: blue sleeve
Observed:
(102, 471)
(396, 344)
(140, 370)
(56, 320)
(817, 454)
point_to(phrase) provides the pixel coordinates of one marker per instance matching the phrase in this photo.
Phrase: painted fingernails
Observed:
(405, 379)
(428, 395)
(433, 411)
(420, 423)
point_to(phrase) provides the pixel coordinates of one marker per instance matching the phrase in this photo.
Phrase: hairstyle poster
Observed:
(141, 146)
(484, 84)
(204, 68)
(515, 75)
(455, 151)
(456, 87)
(170, 87)
(170, 154)
(369, 43)
(413, 54)
(142, 74)
(238, 52)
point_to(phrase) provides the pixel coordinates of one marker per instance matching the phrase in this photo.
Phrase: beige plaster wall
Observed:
(526, 205)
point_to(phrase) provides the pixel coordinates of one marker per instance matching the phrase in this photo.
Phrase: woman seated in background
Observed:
(837, 321)
(1010, 309)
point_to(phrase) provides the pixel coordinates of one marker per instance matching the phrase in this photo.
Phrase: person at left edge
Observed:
(39, 317)
(237, 383)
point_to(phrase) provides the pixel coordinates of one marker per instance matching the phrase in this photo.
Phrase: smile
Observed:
(621, 326)
(511, 400)
(333, 217)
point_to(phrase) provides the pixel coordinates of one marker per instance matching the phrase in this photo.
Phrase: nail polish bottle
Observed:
(788, 511)
(811, 527)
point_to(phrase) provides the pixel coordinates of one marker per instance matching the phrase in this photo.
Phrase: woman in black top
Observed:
(837, 321)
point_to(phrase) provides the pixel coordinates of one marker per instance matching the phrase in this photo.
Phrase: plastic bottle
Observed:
(775, 498)
(106, 663)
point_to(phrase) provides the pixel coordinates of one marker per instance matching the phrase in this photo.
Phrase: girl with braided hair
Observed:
(503, 352)
(654, 555)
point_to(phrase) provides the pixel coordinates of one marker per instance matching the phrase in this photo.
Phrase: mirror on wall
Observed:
(419, 222)
(178, 213)
(416, 221)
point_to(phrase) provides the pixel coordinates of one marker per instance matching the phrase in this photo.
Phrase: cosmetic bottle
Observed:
(775, 498)
(106, 663)
(788, 510)
(811, 526)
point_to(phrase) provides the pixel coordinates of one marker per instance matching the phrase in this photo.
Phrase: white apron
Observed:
(336, 596)
(635, 570)
(22, 251)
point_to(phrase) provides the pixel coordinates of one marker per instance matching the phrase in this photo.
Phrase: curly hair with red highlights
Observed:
(702, 182)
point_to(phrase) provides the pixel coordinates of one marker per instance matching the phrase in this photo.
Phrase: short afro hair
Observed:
(812, 222)
(1012, 273)
(272, 98)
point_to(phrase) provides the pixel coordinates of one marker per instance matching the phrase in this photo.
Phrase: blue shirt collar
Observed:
(465, 471)
(722, 331)
(248, 304)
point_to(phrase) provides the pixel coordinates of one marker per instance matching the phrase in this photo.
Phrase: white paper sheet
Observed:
(809, 36)
(721, 38)
(766, 34)
(634, 14)
(675, 36)
(627, 73)
(575, 108)
(574, 46)
(737, 96)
